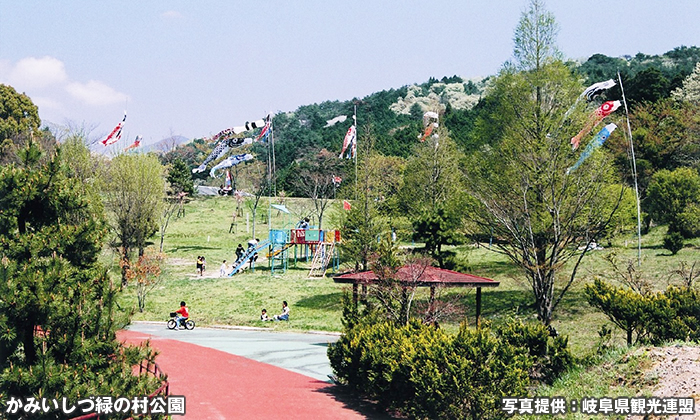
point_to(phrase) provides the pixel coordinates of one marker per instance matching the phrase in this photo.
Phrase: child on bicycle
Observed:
(183, 314)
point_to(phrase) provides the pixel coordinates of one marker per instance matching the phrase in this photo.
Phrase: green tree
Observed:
(525, 196)
(535, 38)
(600, 67)
(19, 122)
(180, 177)
(432, 176)
(18, 114)
(134, 191)
(665, 135)
(673, 196)
(648, 85)
(57, 311)
(432, 193)
(363, 224)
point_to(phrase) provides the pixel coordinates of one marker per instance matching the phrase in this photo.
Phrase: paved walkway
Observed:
(301, 353)
(220, 384)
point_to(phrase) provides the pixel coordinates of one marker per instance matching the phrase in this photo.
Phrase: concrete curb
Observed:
(246, 328)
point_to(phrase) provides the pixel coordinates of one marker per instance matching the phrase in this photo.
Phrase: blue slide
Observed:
(248, 255)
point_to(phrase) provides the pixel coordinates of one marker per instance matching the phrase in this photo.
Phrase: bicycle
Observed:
(172, 322)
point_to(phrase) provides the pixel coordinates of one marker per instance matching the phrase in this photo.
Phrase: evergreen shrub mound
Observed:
(550, 355)
(423, 372)
(673, 241)
(654, 318)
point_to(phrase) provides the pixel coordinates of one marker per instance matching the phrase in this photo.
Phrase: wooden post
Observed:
(354, 294)
(431, 302)
(478, 307)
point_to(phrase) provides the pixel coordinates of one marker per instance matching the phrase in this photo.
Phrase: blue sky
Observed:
(194, 68)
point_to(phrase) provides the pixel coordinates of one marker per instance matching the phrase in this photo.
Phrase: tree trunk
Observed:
(543, 290)
(404, 306)
(629, 337)
(125, 266)
(28, 342)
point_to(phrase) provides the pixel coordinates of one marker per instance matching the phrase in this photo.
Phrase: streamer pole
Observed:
(634, 175)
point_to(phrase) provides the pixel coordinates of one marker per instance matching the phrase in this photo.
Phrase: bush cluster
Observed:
(653, 317)
(422, 372)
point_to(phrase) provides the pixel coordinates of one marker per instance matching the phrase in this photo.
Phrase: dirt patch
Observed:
(181, 262)
(678, 371)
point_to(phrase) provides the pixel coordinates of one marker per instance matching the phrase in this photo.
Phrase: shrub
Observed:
(423, 372)
(673, 315)
(673, 241)
(655, 317)
(550, 355)
(625, 308)
(376, 359)
(467, 376)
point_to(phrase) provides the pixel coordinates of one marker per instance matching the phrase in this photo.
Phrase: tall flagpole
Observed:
(634, 174)
(274, 164)
(269, 180)
(357, 149)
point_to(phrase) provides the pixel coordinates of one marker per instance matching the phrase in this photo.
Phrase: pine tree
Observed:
(57, 305)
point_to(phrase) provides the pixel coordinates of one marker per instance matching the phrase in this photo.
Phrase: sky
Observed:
(194, 68)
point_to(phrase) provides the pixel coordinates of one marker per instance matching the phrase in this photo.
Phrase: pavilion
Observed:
(421, 276)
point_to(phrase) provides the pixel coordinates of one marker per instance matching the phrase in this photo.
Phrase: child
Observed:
(183, 313)
(263, 315)
(199, 265)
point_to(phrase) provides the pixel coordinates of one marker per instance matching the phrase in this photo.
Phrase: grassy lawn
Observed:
(316, 303)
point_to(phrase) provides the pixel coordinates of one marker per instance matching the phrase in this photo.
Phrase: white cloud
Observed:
(46, 103)
(36, 73)
(95, 93)
(171, 14)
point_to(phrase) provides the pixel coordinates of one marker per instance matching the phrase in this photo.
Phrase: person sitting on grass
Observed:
(183, 314)
(263, 315)
(284, 316)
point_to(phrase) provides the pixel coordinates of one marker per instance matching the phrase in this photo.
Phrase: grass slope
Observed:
(315, 303)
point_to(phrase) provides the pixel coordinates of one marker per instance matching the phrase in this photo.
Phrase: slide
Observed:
(280, 250)
(248, 255)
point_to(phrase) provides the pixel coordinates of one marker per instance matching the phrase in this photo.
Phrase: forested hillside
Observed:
(394, 117)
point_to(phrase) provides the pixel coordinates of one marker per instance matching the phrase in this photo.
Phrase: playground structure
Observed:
(317, 244)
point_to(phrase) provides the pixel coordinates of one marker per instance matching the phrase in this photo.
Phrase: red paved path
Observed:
(219, 385)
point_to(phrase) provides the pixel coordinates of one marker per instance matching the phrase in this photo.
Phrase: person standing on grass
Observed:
(223, 270)
(284, 316)
(199, 265)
